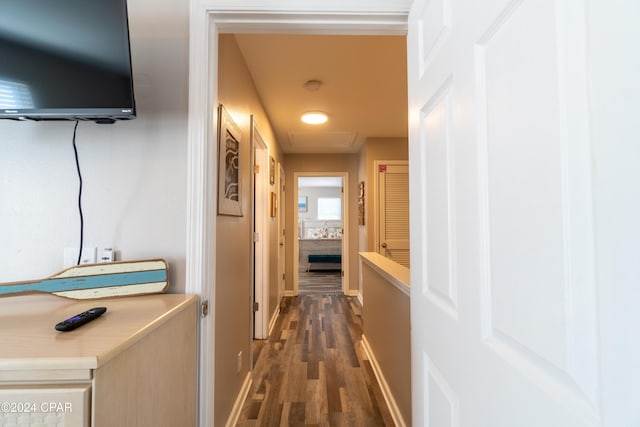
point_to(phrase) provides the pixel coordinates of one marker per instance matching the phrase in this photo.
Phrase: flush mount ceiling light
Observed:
(314, 118)
(312, 85)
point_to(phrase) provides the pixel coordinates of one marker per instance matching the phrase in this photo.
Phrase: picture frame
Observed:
(302, 204)
(361, 203)
(229, 165)
(273, 205)
(272, 170)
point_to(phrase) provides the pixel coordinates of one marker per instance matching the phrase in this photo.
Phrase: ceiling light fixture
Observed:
(314, 118)
(312, 85)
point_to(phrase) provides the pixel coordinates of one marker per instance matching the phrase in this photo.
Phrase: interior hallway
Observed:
(313, 371)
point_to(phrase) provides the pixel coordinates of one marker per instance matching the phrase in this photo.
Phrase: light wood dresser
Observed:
(133, 366)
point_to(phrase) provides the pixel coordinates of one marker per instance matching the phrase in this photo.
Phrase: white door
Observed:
(392, 238)
(504, 303)
(281, 232)
(261, 235)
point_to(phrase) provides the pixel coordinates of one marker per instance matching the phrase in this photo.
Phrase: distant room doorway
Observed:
(320, 212)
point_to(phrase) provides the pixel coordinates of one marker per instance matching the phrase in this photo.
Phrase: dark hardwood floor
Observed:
(312, 371)
(320, 282)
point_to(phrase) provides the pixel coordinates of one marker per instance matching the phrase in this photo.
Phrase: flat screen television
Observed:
(65, 60)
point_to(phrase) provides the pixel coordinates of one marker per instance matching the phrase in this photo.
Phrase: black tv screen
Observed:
(65, 60)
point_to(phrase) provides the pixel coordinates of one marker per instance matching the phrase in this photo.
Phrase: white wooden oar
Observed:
(104, 280)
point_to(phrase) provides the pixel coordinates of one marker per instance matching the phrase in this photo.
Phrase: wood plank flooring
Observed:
(312, 371)
(320, 282)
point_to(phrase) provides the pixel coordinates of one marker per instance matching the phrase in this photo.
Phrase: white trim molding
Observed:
(274, 319)
(384, 386)
(239, 402)
(388, 17)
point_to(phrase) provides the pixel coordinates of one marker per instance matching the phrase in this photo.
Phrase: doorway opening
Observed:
(320, 232)
(320, 255)
(207, 20)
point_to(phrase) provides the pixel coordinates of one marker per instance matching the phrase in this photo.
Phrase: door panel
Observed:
(536, 198)
(504, 312)
(393, 210)
(437, 160)
(281, 232)
(261, 235)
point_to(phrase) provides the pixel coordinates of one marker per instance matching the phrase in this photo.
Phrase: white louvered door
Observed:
(393, 212)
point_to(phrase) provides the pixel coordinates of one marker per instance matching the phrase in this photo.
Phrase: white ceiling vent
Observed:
(321, 142)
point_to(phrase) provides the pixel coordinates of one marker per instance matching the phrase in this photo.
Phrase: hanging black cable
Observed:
(75, 151)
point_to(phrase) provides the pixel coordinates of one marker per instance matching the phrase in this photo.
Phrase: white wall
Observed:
(134, 172)
(313, 193)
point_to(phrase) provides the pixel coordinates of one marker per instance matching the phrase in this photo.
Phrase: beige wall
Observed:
(233, 292)
(233, 319)
(375, 149)
(387, 327)
(323, 163)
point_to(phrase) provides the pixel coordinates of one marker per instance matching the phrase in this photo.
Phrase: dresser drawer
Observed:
(46, 405)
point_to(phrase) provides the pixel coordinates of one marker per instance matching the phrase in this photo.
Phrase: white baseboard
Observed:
(386, 392)
(273, 320)
(239, 403)
(352, 293)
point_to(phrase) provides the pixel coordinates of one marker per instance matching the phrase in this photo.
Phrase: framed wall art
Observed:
(272, 170)
(302, 203)
(229, 161)
(273, 205)
(361, 203)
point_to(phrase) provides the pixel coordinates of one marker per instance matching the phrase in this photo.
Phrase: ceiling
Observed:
(363, 90)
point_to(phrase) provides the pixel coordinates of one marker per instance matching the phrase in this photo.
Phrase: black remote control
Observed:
(80, 319)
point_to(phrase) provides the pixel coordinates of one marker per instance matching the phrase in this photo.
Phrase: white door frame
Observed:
(281, 213)
(208, 18)
(261, 233)
(345, 226)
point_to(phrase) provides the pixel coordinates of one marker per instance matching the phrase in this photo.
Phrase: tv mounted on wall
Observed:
(65, 60)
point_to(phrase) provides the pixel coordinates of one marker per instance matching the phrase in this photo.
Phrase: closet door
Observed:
(393, 210)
